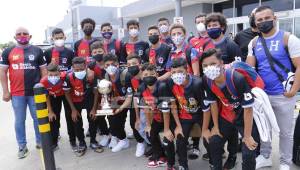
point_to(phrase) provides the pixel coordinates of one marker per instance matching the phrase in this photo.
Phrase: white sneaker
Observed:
(140, 149)
(261, 162)
(104, 140)
(122, 144)
(113, 142)
(284, 167)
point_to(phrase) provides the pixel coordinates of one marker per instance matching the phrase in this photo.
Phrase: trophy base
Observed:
(105, 112)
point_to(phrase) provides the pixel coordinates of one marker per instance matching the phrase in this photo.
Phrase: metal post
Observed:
(47, 155)
(178, 6)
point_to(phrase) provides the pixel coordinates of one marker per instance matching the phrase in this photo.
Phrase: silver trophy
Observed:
(104, 88)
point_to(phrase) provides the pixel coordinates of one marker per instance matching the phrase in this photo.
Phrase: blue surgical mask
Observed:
(53, 79)
(107, 35)
(214, 33)
(80, 74)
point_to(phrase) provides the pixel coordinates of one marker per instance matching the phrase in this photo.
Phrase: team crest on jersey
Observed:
(31, 57)
(124, 90)
(140, 52)
(160, 60)
(129, 90)
(64, 60)
(15, 57)
(192, 101)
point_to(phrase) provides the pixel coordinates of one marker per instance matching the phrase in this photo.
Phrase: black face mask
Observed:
(98, 57)
(154, 39)
(150, 80)
(134, 70)
(252, 21)
(265, 26)
(88, 31)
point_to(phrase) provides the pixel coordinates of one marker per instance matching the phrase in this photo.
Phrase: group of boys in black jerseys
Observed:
(164, 86)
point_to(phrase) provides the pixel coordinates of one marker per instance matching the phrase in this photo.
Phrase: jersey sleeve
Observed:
(244, 91)
(139, 97)
(67, 85)
(71, 55)
(208, 96)
(165, 98)
(4, 62)
(201, 95)
(41, 58)
(129, 90)
(194, 55)
(47, 55)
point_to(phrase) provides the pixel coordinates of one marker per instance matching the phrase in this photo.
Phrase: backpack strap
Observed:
(286, 37)
(230, 83)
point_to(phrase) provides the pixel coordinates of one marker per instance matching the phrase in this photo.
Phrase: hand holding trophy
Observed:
(104, 87)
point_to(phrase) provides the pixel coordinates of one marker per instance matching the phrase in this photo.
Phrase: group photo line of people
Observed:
(231, 93)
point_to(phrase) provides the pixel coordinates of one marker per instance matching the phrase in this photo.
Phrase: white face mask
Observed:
(59, 43)
(212, 72)
(53, 79)
(111, 70)
(133, 32)
(200, 27)
(80, 74)
(178, 39)
(178, 78)
(164, 29)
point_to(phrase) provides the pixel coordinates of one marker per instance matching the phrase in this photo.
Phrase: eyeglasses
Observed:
(22, 33)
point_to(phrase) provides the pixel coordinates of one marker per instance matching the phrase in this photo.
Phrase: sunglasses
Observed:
(22, 33)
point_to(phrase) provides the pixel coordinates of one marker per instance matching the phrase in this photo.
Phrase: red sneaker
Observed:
(162, 161)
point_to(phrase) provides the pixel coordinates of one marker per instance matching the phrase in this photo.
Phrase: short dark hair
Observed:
(148, 67)
(78, 60)
(262, 8)
(174, 26)
(179, 62)
(88, 21)
(200, 16)
(163, 19)
(217, 17)
(153, 27)
(106, 24)
(52, 67)
(132, 56)
(110, 57)
(210, 52)
(133, 22)
(96, 45)
(57, 31)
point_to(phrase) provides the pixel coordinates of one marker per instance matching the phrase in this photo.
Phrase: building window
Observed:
(245, 7)
(286, 24)
(225, 7)
(279, 5)
(297, 3)
(297, 27)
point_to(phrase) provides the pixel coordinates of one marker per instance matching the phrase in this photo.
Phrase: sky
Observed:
(37, 15)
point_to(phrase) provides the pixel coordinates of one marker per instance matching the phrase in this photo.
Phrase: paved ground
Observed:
(65, 158)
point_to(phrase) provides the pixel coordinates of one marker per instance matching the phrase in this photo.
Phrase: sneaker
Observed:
(55, 148)
(152, 164)
(230, 163)
(122, 144)
(104, 140)
(284, 167)
(80, 151)
(73, 145)
(205, 157)
(22, 153)
(96, 147)
(194, 154)
(182, 168)
(140, 149)
(38, 146)
(113, 142)
(162, 161)
(261, 162)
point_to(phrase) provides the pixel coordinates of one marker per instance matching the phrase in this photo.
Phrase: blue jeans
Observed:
(19, 104)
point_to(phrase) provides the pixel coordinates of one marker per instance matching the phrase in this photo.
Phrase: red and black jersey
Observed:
(114, 47)
(99, 72)
(132, 84)
(80, 89)
(24, 68)
(189, 53)
(55, 90)
(159, 57)
(82, 48)
(231, 107)
(189, 98)
(201, 44)
(138, 48)
(62, 57)
(168, 41)
(157, 101)
(118, 87)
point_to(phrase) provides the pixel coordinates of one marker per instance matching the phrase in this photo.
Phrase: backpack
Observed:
(251, 76)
